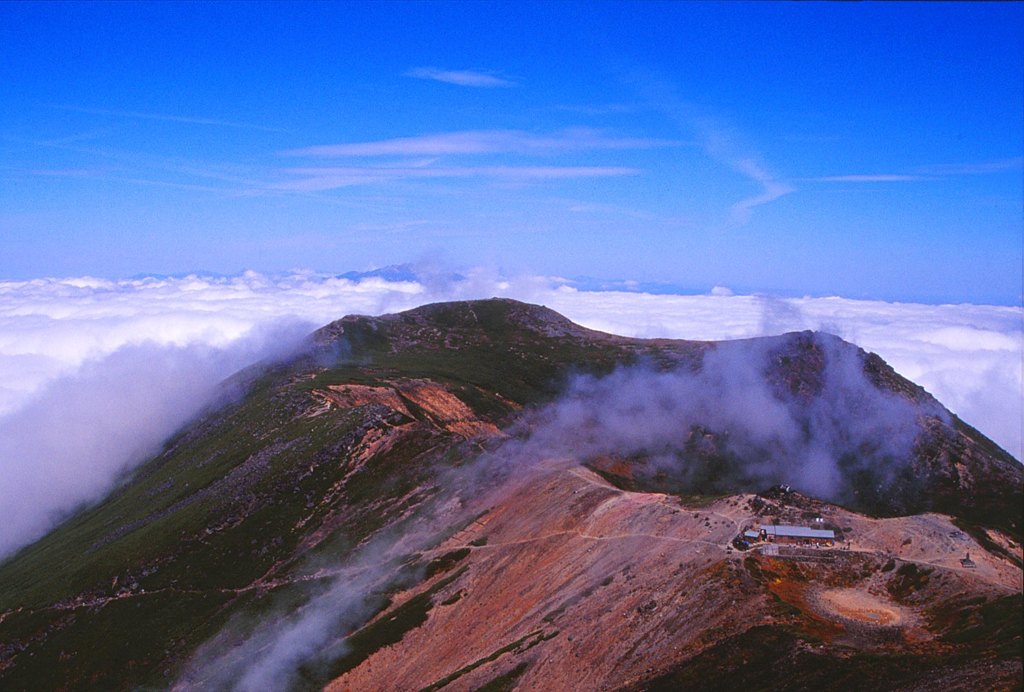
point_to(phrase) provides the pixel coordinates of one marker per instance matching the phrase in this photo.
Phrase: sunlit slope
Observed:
(265, 496)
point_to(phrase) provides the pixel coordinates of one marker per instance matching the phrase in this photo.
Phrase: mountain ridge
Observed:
(364, 434)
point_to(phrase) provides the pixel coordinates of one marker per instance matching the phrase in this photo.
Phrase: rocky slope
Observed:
(485, 495)
(571, 583)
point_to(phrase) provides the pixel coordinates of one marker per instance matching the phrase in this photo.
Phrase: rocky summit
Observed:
(485, 496)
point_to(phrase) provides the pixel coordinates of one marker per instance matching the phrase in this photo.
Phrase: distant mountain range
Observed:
(483, 495)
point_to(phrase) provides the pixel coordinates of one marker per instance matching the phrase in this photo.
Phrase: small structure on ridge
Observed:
(782, 533)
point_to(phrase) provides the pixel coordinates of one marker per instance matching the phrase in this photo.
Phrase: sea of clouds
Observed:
(96, 373)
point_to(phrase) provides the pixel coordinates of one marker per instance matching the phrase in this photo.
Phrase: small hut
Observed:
(782, 533)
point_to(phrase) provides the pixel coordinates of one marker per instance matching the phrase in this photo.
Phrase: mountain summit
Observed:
(484, 495)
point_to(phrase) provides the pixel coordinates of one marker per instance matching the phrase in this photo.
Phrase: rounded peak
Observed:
(456, 324)
(491, 314)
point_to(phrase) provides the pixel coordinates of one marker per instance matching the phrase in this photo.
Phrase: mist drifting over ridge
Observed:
(131, 360)
(735, 424)
(73, 441)
(831, 433)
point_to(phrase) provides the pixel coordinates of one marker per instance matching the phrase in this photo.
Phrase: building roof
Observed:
(798, 532)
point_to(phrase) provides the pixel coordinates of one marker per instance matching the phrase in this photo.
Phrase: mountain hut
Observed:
(782, 533)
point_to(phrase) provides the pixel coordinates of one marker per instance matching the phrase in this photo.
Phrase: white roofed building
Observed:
(782, 533)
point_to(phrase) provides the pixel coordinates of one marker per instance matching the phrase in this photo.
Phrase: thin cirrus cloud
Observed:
(474, 142)
(466, 78)
(771, 189)
(721, 142)
(330, 178)
(468, 143)
(930, 172)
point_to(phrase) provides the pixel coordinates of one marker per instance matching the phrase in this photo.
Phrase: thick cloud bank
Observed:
(95, 373)
(72, 441)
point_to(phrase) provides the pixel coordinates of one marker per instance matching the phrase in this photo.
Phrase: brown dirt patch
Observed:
(860, 606)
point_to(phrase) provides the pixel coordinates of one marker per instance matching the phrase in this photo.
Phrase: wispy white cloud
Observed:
(485, 142)
(415, 158)
(771, 189)
(404, 158)
(466, 78)
(330, 178)
(119, 362)
(723, 144)
(931, 172)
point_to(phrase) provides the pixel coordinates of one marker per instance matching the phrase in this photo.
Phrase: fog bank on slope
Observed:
(70, 444)
(727, 428)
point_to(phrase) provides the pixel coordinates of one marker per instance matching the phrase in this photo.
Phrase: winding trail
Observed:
(472, 532)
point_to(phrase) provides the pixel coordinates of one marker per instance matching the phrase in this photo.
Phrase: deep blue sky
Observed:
(862, 149)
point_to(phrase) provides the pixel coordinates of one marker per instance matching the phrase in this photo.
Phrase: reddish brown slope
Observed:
(570, 583)
(593, 583)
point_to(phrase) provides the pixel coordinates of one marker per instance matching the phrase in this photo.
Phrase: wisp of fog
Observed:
(76, 439)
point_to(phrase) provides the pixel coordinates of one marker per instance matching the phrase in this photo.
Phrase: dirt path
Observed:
(591, 478)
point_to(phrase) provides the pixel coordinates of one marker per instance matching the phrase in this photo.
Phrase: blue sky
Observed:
(861, 149)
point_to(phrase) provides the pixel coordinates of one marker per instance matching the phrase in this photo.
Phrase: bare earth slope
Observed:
(571, 583)
(485, 495)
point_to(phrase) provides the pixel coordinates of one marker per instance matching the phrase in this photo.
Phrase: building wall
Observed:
(796, 540)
